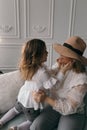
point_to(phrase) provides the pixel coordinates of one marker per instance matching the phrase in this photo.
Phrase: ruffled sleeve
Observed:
(73, 101)
(48, 80)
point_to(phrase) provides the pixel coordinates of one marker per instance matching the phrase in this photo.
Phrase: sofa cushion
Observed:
(10, 84)
(16, 121)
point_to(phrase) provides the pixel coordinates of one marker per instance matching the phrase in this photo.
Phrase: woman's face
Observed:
(64, 60)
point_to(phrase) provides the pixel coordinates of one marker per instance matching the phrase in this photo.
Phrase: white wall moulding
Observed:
(11, 56)
(9, 19)
(71, 17)
(38, 18)
(49, 58)
(5, 28)
(50, 20)
(38, 28)
(79, 18)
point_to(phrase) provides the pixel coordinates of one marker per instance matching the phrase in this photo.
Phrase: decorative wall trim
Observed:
(50, 55)
(6, 30)
(17, 19)
(72, 20)
(9, 63)
(51, 13)
(73, 7)
(11, 56)
(38, 29)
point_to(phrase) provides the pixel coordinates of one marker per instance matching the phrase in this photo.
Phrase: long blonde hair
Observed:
(78, 67)
(31, 59)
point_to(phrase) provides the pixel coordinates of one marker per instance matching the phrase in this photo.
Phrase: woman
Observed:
(66, 110)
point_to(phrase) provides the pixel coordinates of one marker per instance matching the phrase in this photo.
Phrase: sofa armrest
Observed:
(10, 84)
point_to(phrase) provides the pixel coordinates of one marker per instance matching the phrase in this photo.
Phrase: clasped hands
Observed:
(39, 96)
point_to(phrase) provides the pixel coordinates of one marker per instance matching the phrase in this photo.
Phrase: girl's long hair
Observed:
(31, 59)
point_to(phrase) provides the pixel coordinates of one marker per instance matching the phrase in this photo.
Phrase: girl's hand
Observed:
(39, 96)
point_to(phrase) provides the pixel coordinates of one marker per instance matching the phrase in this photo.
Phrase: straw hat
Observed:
(73, 47)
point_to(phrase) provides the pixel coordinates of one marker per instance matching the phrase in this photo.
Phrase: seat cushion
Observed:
(10, 84)
(17, 120)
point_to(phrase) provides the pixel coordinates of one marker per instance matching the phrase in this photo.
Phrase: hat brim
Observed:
(62, 50)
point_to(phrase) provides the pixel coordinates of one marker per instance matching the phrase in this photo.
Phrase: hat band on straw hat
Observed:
(73, 49)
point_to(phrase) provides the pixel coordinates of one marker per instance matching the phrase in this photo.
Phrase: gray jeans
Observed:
(30, 113)
(49, 119)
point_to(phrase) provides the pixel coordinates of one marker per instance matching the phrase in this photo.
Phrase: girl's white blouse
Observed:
(41, 80)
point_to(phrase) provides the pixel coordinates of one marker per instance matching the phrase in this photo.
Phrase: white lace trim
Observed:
(74, 79)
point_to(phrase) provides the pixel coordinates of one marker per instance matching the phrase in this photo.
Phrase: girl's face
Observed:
(64, 60)
(45, 54)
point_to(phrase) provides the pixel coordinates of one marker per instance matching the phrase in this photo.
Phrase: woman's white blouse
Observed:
(41, 80)
(69, 96)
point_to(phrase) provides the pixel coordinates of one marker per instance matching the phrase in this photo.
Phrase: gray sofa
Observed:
(10, 84)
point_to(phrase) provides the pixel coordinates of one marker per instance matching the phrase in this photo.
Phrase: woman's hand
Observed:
(39, 96)
(64, 67)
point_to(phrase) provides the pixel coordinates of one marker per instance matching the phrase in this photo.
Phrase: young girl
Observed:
(36, 76)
